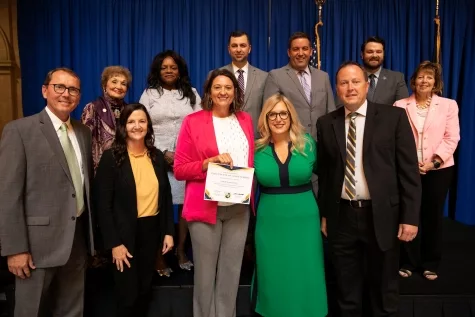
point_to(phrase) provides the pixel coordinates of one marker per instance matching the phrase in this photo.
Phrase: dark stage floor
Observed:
(452, 295)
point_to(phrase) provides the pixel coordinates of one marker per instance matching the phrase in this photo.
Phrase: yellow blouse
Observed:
(146, 184)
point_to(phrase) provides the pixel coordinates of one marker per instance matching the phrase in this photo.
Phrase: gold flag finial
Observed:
(320, 4)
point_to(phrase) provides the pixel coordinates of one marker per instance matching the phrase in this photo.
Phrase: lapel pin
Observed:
(104, 110)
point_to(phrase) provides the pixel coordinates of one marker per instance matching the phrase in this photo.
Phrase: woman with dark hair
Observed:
(220, 133)
(133, 201)
(169, 97)
(102, 114)
(435, 124)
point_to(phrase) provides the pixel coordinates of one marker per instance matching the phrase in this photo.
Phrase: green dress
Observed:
(290, 275)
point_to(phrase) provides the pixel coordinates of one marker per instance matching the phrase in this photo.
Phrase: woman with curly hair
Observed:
(169, 97)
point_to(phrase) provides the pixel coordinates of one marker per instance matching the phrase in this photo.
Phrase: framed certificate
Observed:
(230, 185)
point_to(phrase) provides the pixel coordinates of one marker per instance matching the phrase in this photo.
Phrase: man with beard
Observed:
(385, 86)
(251, 79)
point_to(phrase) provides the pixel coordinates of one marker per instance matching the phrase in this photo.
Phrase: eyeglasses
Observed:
(273, 115)
(60, 88)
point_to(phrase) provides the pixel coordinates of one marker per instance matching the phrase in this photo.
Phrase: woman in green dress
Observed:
(290, 275)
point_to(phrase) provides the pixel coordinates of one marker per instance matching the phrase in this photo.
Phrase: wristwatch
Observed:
(436, 164)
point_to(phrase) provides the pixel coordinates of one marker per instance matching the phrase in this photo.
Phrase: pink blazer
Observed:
(197, 142)
(441, 132)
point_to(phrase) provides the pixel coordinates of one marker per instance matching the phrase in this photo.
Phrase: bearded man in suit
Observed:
(385, 86)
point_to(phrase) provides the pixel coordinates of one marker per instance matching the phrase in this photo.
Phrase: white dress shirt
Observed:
(245, 69)
(57, 123)
(362, 191)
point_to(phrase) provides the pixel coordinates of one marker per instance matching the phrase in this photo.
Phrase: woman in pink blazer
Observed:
(435, 124)
(220, 133)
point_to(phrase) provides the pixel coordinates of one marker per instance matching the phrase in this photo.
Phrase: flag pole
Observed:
(437, 32)
(320, 4)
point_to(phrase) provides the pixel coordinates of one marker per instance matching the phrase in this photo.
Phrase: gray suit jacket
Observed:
(391, 87)
(284, 80)
(253, 96)
(38, 206)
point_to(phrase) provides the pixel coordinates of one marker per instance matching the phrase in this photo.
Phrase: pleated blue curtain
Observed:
(88, 35)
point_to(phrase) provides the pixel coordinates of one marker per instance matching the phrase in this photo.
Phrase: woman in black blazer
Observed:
(134, 207)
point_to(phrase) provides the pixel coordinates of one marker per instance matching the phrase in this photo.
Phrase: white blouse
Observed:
(231, 139)
(167, 112)
(421, 119)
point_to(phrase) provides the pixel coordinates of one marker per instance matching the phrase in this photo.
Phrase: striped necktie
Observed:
(305, 86)
(241, 85)
(73, 165)
(350, 183)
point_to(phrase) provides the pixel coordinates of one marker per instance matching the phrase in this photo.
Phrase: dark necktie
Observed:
(372, 86)
(350, 183)
(241, 85)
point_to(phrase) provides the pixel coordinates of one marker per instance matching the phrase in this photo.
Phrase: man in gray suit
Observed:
(306, 87)
(251, 79)
(386, 86)
(45, 227)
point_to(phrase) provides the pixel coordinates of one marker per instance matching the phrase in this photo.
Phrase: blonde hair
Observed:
(296, 131)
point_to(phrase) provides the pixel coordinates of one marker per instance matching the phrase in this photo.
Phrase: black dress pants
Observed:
(360, 265)
(425, 251)
(134, 285)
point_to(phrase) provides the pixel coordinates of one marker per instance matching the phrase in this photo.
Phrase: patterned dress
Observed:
(101, 117)
(167, 111)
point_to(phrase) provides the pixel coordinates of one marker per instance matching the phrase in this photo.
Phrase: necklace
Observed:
(424, 106)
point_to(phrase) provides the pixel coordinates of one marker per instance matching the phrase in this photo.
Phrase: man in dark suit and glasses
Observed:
(45, 227)
(369, 193)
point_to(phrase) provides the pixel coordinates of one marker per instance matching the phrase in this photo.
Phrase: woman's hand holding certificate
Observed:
(226, 183)
(224, 158)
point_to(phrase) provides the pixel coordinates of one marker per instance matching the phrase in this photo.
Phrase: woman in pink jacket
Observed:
(220, 133)
(435, 124)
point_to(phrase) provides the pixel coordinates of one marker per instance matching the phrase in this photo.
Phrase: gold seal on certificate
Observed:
(228, 185)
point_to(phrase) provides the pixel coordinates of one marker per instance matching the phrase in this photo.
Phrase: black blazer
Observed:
(115, 201)
(390, 167)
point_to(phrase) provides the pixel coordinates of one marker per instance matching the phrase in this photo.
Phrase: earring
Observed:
(234, 105)
(210, 102)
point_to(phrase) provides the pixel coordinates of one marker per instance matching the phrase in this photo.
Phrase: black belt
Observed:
(286, 190)
(356, 203)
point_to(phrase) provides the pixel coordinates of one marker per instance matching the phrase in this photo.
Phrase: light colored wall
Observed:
(10, 78)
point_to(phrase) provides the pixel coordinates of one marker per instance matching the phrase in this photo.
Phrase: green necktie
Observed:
(73, 166)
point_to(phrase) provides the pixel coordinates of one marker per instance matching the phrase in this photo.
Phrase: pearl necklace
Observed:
(424, 106)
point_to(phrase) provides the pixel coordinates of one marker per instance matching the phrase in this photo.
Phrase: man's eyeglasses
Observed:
(60, 88)
(273, 115)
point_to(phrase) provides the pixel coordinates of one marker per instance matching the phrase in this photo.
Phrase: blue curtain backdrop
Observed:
(88, 35)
